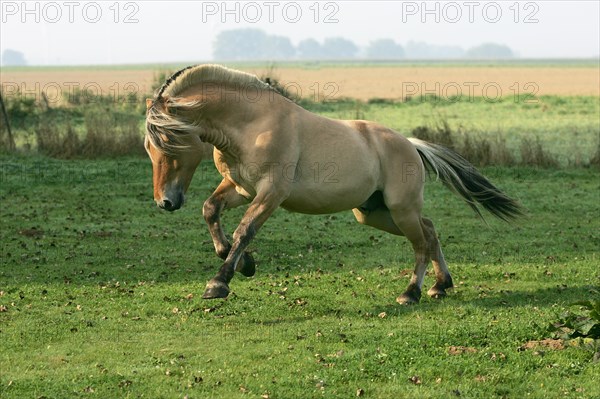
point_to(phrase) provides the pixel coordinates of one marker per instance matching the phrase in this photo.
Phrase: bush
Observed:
(438, 134)
(595, 160)
(482, 151)
(54, 141)
(106, 134)
(533, 154)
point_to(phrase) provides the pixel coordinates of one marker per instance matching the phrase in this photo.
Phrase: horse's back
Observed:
(342, 163)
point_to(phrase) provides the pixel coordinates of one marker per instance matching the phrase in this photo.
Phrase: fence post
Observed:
(11, 141)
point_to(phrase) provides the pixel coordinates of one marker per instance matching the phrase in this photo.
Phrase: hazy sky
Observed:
(110, 32)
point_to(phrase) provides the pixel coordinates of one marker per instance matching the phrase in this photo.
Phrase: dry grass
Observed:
(366, 83)
(359, 82)
(482, 151)
(595, 160)
(104, 135)
(533, 154)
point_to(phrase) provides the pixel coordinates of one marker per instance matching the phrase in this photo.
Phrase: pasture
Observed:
(100, 294)
(100, 291)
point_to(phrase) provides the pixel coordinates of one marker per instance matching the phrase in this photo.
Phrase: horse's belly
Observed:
(327, 200)
(313, 208)
(344, 181)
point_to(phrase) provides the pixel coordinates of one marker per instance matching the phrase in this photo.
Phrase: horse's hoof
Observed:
(215, 289)
(436, 292)
(411, 296)
(246, 265)
(405, 299)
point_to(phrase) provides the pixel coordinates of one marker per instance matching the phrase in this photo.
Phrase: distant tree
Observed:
(13, 58)
(421, 50)
(239, 44)
(385, 49)
(339, 48)
(309, 49)
(278, 47)
(490, 51)
(251, 44)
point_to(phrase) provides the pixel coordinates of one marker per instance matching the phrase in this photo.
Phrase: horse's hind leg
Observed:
(411, 225)
(225, 197)
(408, 225)
(379, 218)
(443, 280)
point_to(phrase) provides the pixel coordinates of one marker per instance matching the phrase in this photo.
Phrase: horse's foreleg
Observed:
(225, 197)
(261, 208)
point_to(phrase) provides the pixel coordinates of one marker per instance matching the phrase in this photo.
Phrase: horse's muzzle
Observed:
(170, 204)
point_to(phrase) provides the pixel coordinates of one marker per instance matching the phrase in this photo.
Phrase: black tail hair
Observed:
(464, 179)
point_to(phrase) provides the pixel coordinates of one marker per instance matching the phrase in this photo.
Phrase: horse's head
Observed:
(173, 166)
(171, 175)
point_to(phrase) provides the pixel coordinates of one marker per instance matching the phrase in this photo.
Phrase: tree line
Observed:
(255, 44)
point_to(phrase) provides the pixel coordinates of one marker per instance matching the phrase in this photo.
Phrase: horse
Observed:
(273, 153)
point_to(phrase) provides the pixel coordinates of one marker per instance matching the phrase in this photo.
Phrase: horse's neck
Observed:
(217, 136)
(226, 117)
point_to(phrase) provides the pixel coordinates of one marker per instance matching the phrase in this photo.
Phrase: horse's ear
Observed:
(149, 103)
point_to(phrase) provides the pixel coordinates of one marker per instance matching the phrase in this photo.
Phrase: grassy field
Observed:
(100, 294)
(568, 128)
(100, 291)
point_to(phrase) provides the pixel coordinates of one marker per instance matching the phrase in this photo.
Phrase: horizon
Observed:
(325, 63)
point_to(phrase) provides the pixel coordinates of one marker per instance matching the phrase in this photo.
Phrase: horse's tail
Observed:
(461, 177)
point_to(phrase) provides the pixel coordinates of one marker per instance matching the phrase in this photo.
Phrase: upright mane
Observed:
(167, 130)
(192, 75)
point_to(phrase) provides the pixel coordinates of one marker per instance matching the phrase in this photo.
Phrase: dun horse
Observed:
(273, 153)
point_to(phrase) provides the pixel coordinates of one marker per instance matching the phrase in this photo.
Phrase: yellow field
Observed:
(398, 82)
(361, 82)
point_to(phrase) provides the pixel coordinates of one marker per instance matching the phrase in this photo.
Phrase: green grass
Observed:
(101, 294)
(568, 128)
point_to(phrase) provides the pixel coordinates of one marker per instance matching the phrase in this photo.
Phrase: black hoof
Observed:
(407, 300)
(411, 296)
(438, 290)
(436, 293)
(246, 265)
(216, 289)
